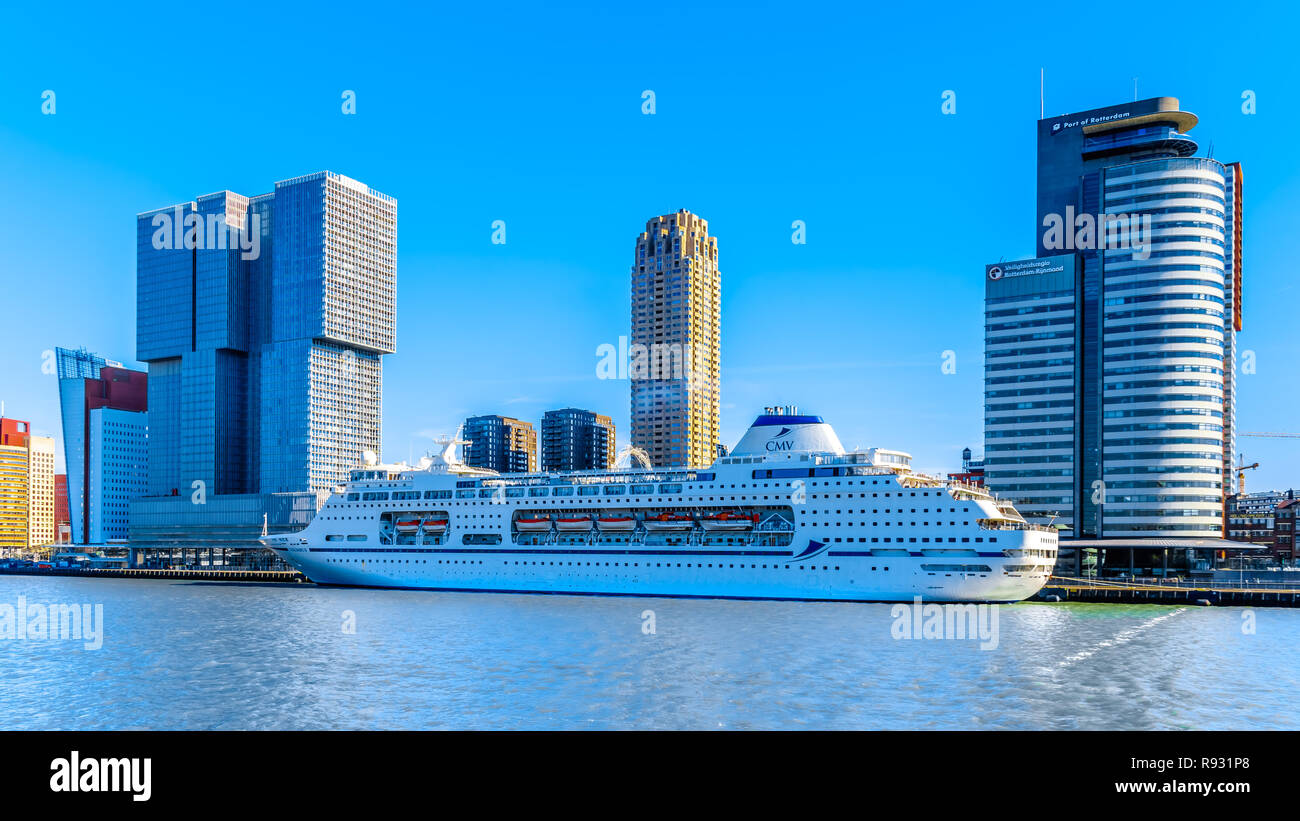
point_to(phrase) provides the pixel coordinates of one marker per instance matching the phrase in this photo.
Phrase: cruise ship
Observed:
(788, 514)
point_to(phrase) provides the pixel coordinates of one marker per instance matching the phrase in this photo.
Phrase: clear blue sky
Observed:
(532, 115)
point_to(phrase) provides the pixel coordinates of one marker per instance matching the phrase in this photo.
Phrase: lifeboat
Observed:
(533, 524)
(669, 521)
(728, 520)
(433, 525)
(408, 525)
(573, 524)
(616, 522)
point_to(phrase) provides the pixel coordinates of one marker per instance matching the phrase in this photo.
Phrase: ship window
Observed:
(360, 538)
(464, 494)
(539, 491)
(589, 490)
(354, 497)
(333, 538)
(562, 491)
(614, 490)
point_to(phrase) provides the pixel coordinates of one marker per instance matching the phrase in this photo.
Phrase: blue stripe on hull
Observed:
(718, 597)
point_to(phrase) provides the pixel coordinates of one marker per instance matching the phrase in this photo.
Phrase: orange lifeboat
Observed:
(616, 522)
(574, 524)
(533, 524)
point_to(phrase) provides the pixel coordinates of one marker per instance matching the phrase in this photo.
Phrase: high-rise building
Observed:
(263, 321)
(14, 436)
(26, 487)
(105, 443)
(40, 492)
(500, 443)
(62, 518)
(1109, 357)
(674, 352)
(575, 439)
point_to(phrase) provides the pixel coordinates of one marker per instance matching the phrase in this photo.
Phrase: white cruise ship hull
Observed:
(818, 524)
(755, 575)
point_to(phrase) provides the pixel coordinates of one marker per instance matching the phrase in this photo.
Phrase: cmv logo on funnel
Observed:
(783, 443)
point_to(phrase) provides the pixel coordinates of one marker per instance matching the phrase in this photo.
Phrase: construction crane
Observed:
(1241, 473)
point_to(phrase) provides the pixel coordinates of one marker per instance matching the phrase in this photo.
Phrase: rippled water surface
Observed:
(189, 655)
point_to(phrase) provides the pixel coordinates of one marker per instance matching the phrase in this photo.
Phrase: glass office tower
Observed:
(1110, 393)
(105, 442)
(264, 352)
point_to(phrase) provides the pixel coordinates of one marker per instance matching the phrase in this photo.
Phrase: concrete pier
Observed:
(1185, 593)
(196, 574)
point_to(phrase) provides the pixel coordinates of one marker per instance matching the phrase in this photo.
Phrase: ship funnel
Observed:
(783, 430)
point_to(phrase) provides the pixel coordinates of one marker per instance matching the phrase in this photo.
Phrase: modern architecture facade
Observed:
(500, 443)
(105, 443)
(1109, 357)
(62, 518)
(1254, 517)
(263, 321)
(26, 487)
(576, 439)
(1284, 531)
(675, 341)
(117, 471)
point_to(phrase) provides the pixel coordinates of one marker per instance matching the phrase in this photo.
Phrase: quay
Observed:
(1193, 592)
(185, 574)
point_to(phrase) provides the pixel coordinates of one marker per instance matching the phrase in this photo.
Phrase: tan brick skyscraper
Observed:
(674, 352)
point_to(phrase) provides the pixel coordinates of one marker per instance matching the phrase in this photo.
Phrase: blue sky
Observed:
(765, 114)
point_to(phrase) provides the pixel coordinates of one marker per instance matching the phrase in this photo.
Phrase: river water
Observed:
(199, 656)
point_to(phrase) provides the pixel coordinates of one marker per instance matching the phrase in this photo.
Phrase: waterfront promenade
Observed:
(1243, 593)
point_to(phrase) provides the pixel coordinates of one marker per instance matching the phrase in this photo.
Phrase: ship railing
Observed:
(1004, 524)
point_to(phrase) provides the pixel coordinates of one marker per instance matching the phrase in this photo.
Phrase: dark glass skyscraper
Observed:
(575, 439)
(500, 443)
(1109, 359)
(263, 321)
